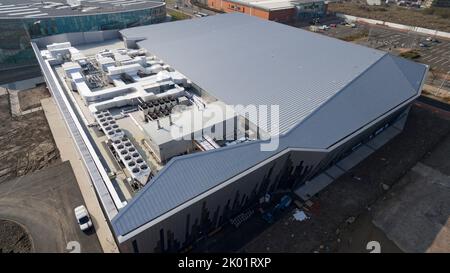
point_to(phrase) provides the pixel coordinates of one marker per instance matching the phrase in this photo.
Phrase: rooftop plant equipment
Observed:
(132, 159)
(108, 125)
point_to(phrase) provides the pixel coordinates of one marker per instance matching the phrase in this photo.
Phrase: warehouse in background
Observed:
(274, 10)
(21, 21)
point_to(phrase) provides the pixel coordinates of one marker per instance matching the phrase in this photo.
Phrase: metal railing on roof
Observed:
(105, 191)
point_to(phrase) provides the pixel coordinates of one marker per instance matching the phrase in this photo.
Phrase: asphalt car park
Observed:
(342, 31)
(43, 202)
(435, 53)
(388, 39)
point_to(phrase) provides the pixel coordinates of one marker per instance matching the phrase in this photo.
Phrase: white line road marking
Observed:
(433, 58)
(448, 60)
(440, 51)
(440, 60)
(427, 57)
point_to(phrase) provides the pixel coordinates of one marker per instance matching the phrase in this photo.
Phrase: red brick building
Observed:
(274, 10)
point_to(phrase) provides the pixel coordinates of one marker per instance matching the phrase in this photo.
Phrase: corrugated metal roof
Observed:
(380, 86)
(241, 59)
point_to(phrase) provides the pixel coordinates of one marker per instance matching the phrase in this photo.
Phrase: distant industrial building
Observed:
(22, 20)
(123, 100)
(274, 10)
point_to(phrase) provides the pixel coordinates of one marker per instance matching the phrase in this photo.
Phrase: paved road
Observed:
(43, 202)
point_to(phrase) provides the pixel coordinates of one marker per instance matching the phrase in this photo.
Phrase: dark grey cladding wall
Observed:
(345, 149)
(200, 218)
(288, 171)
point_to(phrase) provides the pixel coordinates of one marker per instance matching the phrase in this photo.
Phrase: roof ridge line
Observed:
(177, 159)
(398, 67)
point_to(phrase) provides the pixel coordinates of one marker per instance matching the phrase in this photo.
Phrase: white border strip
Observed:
(118, 203)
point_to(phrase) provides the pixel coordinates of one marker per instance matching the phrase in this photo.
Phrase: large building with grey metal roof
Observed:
(22, 20)
(338, 102)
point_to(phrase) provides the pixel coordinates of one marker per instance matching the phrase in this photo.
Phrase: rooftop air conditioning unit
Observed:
(74, 3)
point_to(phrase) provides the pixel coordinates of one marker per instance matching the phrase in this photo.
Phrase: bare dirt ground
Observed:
(27, 143)
(31, 98)
(15, 238)
(342, 218)
(416, 213)
(393, 14)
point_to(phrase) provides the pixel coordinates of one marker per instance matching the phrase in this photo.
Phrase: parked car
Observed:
(332, 25)
(83, 218)
(314, 21)
(431, 39)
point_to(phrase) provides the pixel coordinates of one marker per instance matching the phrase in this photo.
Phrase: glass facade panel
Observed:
(15, 48)
(310, 10)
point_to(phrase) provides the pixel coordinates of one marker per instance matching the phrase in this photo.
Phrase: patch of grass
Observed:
(203, 6)
(356, 36)
(411, 54)
(371, 8)
(176, 15)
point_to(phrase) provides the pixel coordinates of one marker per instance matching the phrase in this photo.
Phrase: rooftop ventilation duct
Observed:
(74, 3)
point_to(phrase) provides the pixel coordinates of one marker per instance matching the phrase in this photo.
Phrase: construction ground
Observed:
(38, 191)
(27, 141)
